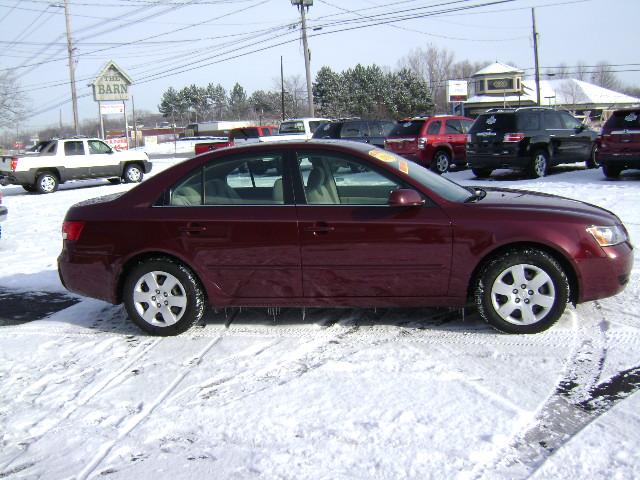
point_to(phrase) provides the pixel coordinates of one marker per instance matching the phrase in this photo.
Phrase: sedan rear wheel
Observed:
(163, 297)
(592, 161)
(522, 291)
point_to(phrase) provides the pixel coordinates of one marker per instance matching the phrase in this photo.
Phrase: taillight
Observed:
(72, 230)
(422, 142)
(513, 137)
(14, 164)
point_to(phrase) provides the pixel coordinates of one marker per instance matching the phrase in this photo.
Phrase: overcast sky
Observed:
(163, 43)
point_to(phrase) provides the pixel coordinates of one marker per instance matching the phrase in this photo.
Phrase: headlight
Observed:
(608, 236)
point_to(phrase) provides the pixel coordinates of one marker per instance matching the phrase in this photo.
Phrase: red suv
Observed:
(435, 142)
(618, 146)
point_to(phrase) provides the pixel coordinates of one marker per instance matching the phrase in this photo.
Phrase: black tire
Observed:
(115, 181)
(132, 173)
(611, 172)
(180, 307)
(592, 161)
(441, 162)
(482, 172)
(46, 182)
(29, 188)
(539, 164)
(507, 306)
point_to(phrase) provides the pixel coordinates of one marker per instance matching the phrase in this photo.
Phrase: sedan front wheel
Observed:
(522, 291)
(163, 297)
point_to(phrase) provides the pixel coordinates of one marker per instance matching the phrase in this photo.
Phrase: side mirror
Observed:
(405, 197)
(581, 128)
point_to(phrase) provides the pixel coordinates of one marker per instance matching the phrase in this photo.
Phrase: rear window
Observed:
(624, 120)
(244, 133)
(405, 129)
(287, 128)
(494, 122)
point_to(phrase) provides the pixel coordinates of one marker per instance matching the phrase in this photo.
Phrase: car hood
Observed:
(528, 201)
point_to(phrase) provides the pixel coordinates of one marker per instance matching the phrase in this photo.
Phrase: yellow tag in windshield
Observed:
(404, 167)
(384, 156)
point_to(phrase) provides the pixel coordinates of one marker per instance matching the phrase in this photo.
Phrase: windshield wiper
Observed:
(477, 193)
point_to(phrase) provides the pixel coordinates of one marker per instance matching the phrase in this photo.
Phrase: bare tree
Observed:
(434, 65)
(603, 76)
(12, 101)
(582, 72)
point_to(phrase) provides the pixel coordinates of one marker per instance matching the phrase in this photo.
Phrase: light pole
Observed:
(302, 4)
(72, 67)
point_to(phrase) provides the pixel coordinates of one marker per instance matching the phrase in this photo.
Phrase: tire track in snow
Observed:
(112, 379)
(145, 413)
(579, 398)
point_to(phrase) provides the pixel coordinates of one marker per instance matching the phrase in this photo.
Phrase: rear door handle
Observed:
(192, 228)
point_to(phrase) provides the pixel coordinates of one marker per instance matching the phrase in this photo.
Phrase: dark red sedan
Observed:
(322, 223)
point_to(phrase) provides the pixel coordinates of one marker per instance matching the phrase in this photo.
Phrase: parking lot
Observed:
(360, 393)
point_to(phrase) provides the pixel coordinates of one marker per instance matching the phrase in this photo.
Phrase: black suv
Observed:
(367, 131)
(530, 139)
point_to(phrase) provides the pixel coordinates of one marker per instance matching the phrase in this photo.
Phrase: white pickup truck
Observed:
(56, 161)
(295, 129)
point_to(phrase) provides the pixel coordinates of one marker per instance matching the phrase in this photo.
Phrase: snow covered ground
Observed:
(410, 393)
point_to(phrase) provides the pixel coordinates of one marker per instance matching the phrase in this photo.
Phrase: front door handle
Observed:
(320, 228)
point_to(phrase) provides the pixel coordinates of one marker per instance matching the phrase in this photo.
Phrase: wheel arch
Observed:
(565, 263)
(148, 256)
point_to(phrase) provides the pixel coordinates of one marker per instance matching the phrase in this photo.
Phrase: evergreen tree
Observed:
(238, 104)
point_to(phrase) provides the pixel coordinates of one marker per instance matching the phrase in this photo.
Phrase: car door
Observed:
(101, 160)
(235, 220)
(75, 162)
(559, 137)
(353, 244)
(456, 138)
(580, 138)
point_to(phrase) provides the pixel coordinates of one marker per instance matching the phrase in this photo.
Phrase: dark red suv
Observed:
(618, 145)
(434, 142)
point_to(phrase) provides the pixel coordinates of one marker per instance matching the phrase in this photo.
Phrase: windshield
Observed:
(443, 187)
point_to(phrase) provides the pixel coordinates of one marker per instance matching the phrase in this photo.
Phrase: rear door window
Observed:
(73, 148)
(529, 121)
(552, 121)
(407, 129)
(434, 128)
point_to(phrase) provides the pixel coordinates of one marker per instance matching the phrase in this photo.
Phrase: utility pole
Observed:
(72, 67)
(282, 86)
(535, 53)
(302, 4)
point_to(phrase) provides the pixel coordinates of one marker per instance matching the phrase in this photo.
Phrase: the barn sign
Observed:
(112, 83)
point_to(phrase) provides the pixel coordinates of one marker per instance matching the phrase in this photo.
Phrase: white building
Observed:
(499, 85)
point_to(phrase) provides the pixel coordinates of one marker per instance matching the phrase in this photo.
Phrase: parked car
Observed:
(354, 129)
(211, 231)
(3, 214)
(296, 129)
(618, 146)
(434, 142)
(237, 136)
(74, 158)
(529, 139)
